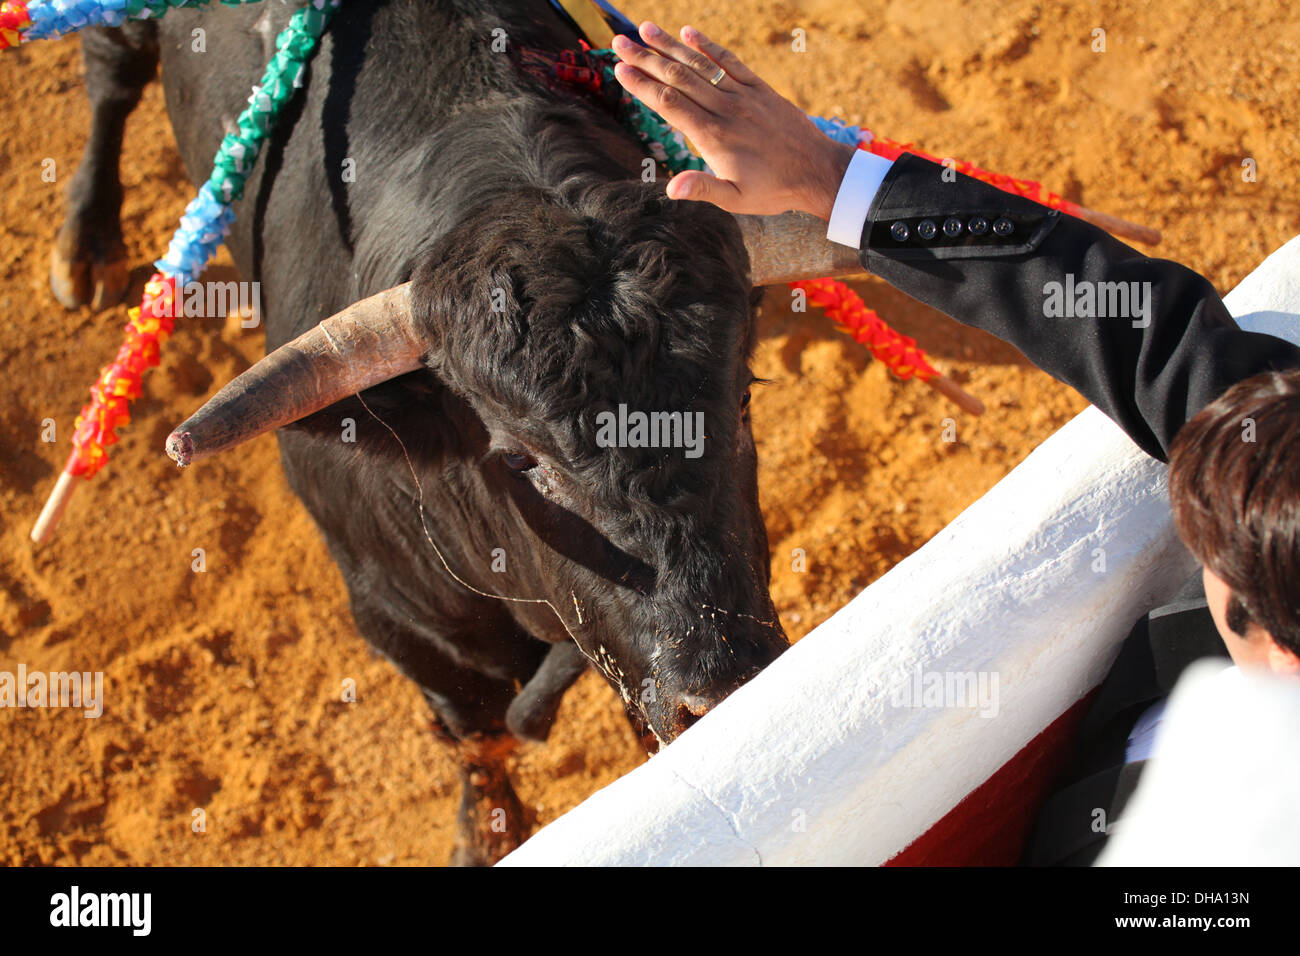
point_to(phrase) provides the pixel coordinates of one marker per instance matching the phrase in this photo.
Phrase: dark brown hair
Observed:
(1234, 482)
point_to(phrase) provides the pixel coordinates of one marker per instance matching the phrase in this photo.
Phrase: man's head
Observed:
(1235, 487)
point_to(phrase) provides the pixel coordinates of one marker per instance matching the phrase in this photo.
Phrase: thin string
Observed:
(419, 491)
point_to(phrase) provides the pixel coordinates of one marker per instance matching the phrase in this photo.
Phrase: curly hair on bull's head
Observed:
(548, 308)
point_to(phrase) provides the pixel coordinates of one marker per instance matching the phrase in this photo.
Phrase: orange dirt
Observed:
(223, 688)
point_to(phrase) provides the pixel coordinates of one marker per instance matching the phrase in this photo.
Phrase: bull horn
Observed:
(794, 246)
(367, 343)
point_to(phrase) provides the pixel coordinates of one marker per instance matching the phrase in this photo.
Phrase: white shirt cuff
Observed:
(857, 191)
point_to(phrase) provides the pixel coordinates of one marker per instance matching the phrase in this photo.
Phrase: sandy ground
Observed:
(223, 687)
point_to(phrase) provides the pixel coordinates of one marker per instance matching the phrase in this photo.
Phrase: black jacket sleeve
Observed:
(1050, 285)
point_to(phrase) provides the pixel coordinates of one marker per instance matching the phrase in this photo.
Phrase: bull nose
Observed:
(687, 709)
(697, 705)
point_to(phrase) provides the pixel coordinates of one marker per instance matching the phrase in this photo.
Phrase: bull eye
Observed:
(744, 404)
(518, 461)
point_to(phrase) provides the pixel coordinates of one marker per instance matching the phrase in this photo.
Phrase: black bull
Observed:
(493, 547)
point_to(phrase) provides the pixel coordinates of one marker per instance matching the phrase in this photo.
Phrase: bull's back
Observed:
(348, 187)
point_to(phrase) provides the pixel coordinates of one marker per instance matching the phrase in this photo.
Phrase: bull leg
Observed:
(469, 709)
(466, 707)
(88, 261)
(491, 821)
(468, 713)
(533, 710)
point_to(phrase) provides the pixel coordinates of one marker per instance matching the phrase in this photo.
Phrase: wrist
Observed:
(826, 168)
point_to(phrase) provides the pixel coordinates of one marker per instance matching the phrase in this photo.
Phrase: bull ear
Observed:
(794, 246)
(367, 343)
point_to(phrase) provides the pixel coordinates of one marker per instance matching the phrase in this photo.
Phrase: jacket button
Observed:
(1003, 228)
(952, 227)
(926, 229)
(978, 226)
(899, 231)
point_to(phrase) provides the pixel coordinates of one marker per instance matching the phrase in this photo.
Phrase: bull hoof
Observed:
(78, 282)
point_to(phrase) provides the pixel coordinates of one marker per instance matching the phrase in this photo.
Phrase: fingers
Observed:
(720, 55)
(662, 41)
(701, 187)
(668, 71)
(670, 103)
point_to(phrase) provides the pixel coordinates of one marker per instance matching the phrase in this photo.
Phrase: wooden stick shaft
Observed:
(1119, 227)
(46, 524)
(956, 394)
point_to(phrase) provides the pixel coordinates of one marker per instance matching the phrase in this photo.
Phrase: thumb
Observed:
(699, 186)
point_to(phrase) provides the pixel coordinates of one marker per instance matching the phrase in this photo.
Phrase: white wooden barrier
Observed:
(823, 760)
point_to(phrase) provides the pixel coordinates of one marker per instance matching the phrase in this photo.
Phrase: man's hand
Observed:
(767, 155)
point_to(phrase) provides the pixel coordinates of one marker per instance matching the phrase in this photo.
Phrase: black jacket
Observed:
(1150, 380)
(1069, 830)
(993, 267)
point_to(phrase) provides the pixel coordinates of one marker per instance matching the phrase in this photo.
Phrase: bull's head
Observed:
(566, 330)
